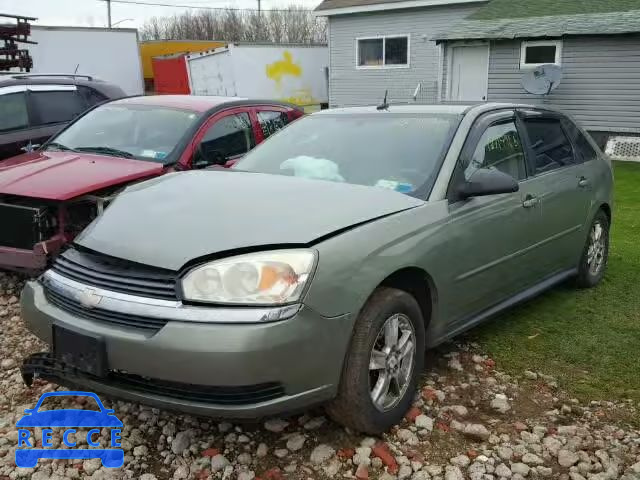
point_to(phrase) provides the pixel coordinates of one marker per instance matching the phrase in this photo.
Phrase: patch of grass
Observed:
(588, 339)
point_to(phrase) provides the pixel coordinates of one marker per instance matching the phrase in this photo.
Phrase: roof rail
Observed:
(63, 75)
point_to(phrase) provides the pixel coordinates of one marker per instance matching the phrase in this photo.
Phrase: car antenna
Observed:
(384, 105)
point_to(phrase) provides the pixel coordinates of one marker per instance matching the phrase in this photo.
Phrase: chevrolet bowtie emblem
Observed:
(89, 298)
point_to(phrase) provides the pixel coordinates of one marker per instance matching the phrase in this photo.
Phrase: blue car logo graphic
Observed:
(68, 419)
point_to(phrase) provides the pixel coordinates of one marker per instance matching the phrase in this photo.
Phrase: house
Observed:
(479, 51)
(378, 45)
(596, 43)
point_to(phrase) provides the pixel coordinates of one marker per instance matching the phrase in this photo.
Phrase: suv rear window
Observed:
(53, 106)
(14, 111)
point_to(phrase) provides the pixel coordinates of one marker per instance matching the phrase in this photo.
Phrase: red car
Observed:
(47, 197)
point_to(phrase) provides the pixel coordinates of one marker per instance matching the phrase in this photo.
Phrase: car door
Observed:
(489, 236)
(51, 107)
(223, 139)
(14, 122)
(559, 188)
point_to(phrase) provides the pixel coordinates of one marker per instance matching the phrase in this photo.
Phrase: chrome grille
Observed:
(100, 315)
(116, 275)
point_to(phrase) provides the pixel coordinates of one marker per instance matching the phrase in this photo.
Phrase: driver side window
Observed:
(499, 148)
(229, 137)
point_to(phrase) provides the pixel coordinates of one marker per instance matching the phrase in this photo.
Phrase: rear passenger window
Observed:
(91, 96)
(585, 152)
(551, 147)
(270, 122)
(14, 111)
(499, 148)
(56, 106)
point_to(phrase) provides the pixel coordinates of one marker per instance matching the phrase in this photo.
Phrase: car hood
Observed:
(171, 220)
(64, 175)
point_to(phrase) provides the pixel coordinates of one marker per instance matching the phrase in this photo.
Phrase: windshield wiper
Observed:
(106, 151)
(60, 147)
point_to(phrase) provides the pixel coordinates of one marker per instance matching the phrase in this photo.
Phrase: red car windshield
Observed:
(132, 131)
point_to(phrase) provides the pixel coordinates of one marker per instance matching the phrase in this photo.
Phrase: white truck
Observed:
(289, 72)
(108, 54)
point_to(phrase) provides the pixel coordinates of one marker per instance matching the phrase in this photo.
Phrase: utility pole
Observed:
(259, 10)
(109, 13)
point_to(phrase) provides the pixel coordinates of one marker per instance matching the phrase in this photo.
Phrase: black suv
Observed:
(34, 107)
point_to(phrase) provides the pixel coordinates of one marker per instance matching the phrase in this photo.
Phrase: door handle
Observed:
(583, 182)
(530, 201)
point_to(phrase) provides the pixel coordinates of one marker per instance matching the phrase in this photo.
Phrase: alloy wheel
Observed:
(391, 362)
(597, 249)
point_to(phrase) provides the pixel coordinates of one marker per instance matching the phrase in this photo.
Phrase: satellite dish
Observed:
(542, 80)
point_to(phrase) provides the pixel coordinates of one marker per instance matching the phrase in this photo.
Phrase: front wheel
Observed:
(383, 364)
(595, 254)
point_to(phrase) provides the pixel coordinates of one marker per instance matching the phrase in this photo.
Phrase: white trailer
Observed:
(108, 54)
(291, 72)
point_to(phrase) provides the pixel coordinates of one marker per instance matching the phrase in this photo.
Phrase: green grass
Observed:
(588, 339)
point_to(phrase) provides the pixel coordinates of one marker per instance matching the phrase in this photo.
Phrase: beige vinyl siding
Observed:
(601, 84)
(350, 86)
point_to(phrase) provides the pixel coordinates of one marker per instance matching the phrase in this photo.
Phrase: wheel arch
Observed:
(606, 208)
(419, 284)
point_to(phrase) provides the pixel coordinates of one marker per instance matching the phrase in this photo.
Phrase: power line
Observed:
(200, 7)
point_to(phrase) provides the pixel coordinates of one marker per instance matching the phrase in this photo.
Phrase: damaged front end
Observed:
(35, 230)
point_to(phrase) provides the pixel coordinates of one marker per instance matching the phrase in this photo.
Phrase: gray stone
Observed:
(244, 459)
(181, 442)
(249, 475)
(7, 363)
(422, 421)
(531, 459)
(281, 452)
(140, 451)
(503, 471)
(552, 444)
(520, 469)
(567, 458)
(477, 431)
(91, 465)
(148, 476)
(500, 403)
(362, 456)
(407, 436)
(262, 450)
(276, 425)
(404, 472)
(181, 473)
(453, 473)
(322, 453)
(219, 462)
(314, 423)
(460, 461)
(296, 442)
(530, 375)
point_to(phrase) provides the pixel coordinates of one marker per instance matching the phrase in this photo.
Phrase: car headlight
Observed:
(266, 278)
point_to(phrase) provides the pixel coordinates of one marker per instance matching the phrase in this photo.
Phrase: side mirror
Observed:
(488, 182)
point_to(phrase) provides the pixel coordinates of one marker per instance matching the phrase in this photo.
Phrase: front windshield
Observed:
(142, 132)
(401, 152)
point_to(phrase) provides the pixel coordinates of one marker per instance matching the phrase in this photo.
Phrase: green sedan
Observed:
(322, 265)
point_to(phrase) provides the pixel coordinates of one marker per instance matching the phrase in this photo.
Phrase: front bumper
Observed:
(30, 260)
(302, 355)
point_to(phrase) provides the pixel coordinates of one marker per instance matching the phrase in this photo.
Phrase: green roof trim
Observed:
(503, 9)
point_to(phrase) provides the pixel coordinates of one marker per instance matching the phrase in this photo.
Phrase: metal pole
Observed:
(259, 10)
(109, 13)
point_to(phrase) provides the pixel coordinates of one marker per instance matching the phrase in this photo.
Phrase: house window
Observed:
(383, 52)
(534, 54)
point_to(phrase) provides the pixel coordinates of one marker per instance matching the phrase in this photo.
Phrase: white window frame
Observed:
(384, 48)
(541, 43)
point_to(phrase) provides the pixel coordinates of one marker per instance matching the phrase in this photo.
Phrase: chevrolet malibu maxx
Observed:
(322, 265)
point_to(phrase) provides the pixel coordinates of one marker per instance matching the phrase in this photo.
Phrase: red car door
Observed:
(223, 139)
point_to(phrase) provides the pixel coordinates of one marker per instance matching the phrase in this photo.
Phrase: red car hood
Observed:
(64, 175)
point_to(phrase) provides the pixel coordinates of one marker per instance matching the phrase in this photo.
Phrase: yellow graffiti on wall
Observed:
(281, 68)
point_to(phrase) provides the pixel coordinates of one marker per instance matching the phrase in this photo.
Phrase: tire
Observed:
(590, 274)
(354, 406)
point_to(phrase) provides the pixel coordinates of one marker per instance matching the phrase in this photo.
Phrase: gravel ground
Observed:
(469, 421)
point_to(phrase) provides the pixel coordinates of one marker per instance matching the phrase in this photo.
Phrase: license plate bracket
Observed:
(81, 350)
